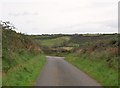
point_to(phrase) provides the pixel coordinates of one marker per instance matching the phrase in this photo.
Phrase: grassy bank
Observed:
(24, 74)
(22, 58)
(97, 69)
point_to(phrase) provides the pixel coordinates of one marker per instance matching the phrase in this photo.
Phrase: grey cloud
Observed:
(102, 4)
(24, 14)
(67, 27)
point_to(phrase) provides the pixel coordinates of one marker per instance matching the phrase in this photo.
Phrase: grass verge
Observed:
(24, 74)
(96, 69)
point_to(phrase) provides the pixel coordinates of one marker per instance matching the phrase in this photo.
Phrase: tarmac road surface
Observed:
(58, 72)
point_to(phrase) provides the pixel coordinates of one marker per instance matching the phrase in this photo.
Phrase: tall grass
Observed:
(96, 68)
(24, 74)
(21, 61)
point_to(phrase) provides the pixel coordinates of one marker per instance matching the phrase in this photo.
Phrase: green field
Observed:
(54, 41)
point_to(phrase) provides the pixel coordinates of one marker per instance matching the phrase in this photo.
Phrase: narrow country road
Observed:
(58, 72)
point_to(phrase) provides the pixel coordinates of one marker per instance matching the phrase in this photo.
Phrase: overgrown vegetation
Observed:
(97, 56)
(106, 73)
(24, 74)
(20, 64)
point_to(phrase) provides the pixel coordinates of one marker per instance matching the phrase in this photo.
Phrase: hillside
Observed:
(19, 55)
(54, 42)
(51, 40)
(97, 56)
(16, 44)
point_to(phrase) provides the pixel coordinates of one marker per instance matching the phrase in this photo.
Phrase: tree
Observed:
(6, 25)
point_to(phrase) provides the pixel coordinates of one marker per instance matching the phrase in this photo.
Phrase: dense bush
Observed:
(14, 46)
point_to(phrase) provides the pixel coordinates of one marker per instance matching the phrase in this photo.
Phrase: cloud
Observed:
(64, 16)
(24, 14)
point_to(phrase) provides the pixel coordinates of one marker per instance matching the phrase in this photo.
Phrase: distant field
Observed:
(54, 41)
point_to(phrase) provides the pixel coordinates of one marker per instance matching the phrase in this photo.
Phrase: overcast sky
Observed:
(61, 16)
